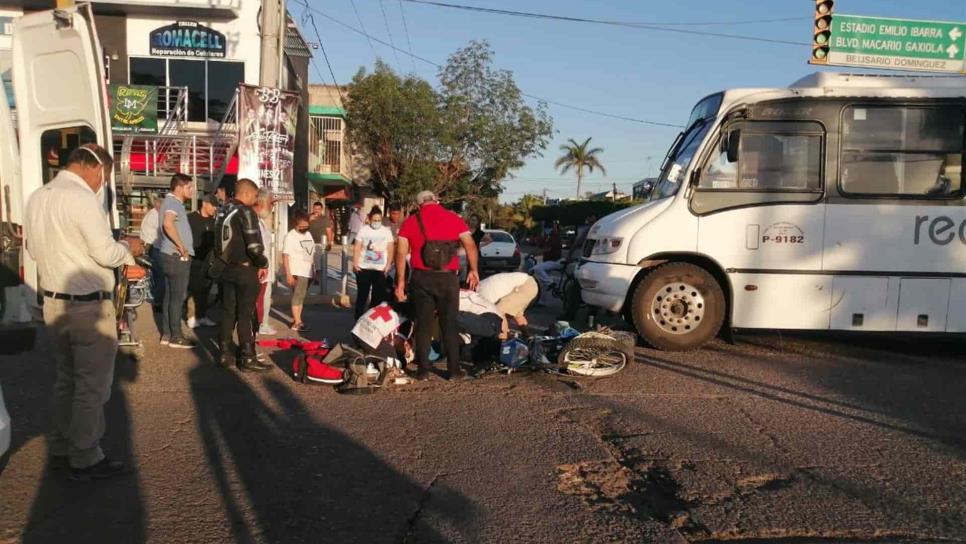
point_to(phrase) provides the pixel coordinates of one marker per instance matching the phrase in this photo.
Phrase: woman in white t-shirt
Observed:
(371, 258)
(298, 257)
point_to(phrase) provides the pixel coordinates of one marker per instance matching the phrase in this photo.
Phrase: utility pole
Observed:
(272, 34)
(613, 192)
(545, 196)
(274, 25)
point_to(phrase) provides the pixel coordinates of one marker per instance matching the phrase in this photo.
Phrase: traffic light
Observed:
(822, 32)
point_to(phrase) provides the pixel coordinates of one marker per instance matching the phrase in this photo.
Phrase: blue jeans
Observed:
(176, 275)
(157, 275)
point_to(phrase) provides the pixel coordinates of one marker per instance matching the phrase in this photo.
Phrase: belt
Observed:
(89, 297)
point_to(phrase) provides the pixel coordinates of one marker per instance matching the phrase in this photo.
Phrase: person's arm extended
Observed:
(390, 251)
(402, 249)
(289, 278)
(472, 259)
(356, 253)
(101, 245)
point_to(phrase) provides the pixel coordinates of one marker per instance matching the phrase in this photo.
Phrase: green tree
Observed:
(460, 141)
(488, 128)
(579, 158)
(393, 126)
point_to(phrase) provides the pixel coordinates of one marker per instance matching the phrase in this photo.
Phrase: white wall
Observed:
(241, 36)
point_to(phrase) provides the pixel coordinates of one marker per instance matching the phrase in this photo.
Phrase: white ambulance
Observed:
(60, 94)
(834, 204)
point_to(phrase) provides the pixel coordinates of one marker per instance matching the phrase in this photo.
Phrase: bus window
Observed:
(902, 151)
(767, 161)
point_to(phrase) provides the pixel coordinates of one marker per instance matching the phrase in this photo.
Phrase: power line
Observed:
(535, 97)
(409, 41)
(362, 26)
(318, 36)
(643, 26)
(392, 43)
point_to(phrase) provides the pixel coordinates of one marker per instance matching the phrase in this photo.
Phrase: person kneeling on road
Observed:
(512, 293)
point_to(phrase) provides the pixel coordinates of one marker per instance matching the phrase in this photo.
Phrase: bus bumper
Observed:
(605, 285)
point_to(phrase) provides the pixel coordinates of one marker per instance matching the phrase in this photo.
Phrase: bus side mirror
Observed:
(731, 143)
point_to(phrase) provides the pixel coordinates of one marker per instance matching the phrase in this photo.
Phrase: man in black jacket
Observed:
(239, 245)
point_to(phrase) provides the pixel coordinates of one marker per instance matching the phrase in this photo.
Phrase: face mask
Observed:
(376, 224)
(302, 231)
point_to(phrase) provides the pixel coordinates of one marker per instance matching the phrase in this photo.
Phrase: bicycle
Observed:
(597, 354)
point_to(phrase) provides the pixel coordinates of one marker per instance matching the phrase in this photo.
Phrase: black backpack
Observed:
(436, 254)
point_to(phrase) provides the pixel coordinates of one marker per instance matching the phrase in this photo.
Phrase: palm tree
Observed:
(578, 157)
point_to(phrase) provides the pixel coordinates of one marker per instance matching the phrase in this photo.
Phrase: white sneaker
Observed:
(267, 330)
(205, 322)
(193, 323)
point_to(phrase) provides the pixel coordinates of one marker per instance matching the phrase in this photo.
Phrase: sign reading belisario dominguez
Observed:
(897, 44)
(187, 39)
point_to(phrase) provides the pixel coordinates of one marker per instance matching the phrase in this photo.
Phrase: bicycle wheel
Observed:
(593, 354)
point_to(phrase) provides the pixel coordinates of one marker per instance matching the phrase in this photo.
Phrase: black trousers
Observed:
(199, 286)
(373, 281)
(240, 288)
(436, 295)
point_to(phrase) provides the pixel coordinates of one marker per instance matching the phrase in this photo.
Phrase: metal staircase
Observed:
(149, 160)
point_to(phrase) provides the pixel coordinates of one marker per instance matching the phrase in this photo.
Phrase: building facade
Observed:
(195, 53)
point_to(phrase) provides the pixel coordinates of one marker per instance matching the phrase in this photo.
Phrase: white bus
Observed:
(60, 93)
(834, 204)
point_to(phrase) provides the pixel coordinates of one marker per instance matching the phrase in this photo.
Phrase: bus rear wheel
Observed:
(678, 307)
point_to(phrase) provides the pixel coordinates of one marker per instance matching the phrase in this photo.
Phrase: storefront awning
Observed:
(318, 181)
(334, 111)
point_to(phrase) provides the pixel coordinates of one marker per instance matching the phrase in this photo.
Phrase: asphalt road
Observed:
(777, 438)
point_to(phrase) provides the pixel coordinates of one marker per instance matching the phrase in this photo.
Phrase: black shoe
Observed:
(251, 365)
(180, 343)
(422, 375)
(263, 364)
(457, 376)
(59, 463)
(225, 359)
(103, 470)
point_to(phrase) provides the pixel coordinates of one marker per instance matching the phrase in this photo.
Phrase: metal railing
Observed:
(173, 106)
(223, 144)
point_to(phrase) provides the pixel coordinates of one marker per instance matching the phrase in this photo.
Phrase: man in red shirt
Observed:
(435, 293)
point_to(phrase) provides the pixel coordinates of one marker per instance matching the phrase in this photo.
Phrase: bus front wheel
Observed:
(678, 307)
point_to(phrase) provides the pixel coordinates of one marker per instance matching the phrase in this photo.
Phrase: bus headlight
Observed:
(604, 246)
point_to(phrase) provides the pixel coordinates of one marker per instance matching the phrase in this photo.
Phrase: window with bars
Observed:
(325, 144)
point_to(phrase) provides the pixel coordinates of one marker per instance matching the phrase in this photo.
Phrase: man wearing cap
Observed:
(435, 293)
(68, 233)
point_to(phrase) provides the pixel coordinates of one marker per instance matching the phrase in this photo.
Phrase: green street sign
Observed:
(897, 44)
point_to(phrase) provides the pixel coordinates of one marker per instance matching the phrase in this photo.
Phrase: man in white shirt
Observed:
(68, 233)
(298, 257)
(512, 292)
(150, 225)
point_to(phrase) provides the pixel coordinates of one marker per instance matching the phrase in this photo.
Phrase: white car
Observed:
(4, 426)
(499, 252)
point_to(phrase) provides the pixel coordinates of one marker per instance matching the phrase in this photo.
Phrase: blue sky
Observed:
(643, 74)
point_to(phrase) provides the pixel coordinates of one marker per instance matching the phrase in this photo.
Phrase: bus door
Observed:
(896, 231)
(58, 79)
(759, 198)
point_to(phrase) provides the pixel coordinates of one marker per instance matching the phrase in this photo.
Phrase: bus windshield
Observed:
(685, 146)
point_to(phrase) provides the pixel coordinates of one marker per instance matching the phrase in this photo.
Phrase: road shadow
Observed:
(63, 510)
(283, 476)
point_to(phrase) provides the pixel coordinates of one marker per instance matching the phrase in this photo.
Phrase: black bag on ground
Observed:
(436, 254)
